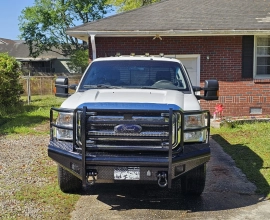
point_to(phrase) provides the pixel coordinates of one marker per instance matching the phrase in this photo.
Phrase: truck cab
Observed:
(132, 119)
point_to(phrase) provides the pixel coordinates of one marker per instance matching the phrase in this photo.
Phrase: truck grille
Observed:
(129, 131)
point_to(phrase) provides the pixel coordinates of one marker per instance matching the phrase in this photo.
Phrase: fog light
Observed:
(179, 169)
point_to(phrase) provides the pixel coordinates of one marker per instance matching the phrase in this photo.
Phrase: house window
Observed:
(263, 56)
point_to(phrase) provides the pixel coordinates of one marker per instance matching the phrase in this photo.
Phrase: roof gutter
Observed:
(83, 35)
(35, 59)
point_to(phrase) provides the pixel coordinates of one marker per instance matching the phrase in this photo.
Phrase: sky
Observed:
(9, 17)
(10, 11)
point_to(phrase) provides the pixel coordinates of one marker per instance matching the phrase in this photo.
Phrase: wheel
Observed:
(193, 182)
(68, 182)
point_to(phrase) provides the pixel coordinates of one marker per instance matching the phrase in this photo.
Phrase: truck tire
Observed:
(193, 182)
(68, 182)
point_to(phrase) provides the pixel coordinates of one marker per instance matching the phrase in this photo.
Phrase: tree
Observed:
(43, 25)
(126, 5)
(10, 87)
(79, 60)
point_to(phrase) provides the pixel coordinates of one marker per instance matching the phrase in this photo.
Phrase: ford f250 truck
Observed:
(132, 119)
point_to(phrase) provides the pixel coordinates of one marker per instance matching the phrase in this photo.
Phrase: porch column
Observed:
(93, 43)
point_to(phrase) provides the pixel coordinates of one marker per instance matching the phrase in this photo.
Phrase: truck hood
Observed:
(124, 98)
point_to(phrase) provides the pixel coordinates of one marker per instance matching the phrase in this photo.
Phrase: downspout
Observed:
(93, 43)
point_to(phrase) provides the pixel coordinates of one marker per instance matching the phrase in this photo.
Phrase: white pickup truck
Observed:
(132, 119)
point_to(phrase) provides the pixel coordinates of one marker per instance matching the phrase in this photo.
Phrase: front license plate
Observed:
(127, 173)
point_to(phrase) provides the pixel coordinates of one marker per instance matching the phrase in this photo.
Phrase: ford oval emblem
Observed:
(127, 128)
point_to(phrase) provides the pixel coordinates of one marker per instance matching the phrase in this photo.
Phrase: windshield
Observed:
(135, 74)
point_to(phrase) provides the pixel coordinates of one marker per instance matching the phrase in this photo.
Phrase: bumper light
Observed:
(179, 169)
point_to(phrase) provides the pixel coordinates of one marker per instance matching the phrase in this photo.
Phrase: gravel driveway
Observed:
(18, 159)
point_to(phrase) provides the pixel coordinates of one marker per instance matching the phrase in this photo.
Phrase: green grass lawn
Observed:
(29, 119)
(249, 145)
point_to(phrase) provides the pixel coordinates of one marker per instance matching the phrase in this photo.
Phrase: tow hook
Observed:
(162, 179)
(93, 174)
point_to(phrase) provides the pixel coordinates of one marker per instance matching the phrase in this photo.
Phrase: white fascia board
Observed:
(83, 35)
(36, 59)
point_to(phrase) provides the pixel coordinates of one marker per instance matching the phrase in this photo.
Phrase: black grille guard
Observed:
(83, 120)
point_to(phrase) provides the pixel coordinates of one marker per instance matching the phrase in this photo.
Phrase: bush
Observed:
(10, 87)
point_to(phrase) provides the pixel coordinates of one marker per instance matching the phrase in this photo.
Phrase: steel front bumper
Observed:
(104, 164)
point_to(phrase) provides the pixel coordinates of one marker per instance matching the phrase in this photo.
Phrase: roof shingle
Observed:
(171, 15)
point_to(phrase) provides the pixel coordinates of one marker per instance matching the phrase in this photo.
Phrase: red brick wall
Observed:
(225, 64)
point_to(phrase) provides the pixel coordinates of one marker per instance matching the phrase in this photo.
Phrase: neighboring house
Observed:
(6, 41)
(48, 63)
(228, 40)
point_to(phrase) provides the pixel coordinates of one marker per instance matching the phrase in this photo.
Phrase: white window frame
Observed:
(255, 76)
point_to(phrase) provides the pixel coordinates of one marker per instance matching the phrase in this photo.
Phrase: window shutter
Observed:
(247, 56)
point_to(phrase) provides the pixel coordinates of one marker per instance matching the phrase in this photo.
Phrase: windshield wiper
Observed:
(148, 87)
(102, 86)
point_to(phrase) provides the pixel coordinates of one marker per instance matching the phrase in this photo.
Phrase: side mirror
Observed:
(73, 86)
(211, 88)
(61, 85)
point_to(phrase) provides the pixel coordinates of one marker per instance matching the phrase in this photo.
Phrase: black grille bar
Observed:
(170, 149)
(83, 140)
(127, 122)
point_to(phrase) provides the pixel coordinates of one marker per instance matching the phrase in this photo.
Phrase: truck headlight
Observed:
(66, 120)
(195, 121)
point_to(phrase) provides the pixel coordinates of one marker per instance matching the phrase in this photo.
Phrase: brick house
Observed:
(227, 40)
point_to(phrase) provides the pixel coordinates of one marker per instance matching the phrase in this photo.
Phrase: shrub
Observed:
(10, 87)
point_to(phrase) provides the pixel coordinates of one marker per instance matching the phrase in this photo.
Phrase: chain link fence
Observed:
(43, 85)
